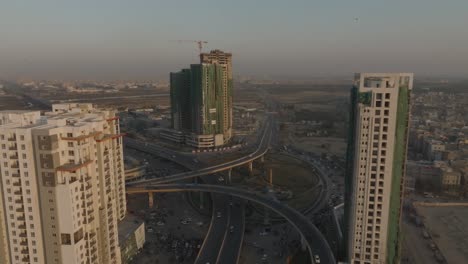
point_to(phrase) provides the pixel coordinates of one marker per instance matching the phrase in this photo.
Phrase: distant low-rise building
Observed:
(451, 180)
(131, 237)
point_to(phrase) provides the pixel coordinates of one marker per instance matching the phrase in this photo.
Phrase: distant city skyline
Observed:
(136, 40)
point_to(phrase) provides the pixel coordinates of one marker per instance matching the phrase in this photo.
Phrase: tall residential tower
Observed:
(62, 185)
(201, 100)
(375, 165)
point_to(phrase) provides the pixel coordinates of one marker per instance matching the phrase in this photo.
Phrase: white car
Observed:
(316, 259)
(220, 179)
(218, 214)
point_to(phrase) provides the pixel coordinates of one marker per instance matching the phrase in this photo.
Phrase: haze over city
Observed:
(234, 132)
(285, 39)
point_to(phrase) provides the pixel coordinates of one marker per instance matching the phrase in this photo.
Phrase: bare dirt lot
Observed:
(448, 227)
(331, 145)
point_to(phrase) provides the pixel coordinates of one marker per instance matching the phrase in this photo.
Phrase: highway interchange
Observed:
(220, 244)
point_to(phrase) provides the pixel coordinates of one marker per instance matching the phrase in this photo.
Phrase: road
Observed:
(218, 238)
(262, 148)
(316, 243)
(232, 242)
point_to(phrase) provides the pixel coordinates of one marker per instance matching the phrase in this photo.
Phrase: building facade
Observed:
(376, 164)
(63, 185)
(201, 101)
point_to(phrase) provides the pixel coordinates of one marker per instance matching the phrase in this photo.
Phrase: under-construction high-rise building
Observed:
(201, 100)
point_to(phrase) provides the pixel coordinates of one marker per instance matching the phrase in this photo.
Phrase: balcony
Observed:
(12, 138)
(26, 259)
(23, 226)
(19, 201)
(24, 251)
(15, 165)
(15, 175)
(14, 157)
(20, 210)
(17, 184)
(24, 243)
(23, 234)
(14, 147)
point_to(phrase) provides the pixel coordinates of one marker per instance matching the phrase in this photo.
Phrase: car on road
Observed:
(220, 179)
(218, 214)
(160, 223)
(316, 259)
(231, 229)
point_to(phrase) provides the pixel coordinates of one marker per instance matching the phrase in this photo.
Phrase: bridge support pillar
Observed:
(250, 168)
(303, 244)
(270, 176)
(266, 220)
(150, 199)
(229, 176)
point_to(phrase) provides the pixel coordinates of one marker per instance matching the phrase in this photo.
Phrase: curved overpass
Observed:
(316, 243)
(262, 148)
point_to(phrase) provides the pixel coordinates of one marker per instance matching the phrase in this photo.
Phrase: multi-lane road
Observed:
(316, 243)
(222, 243)
(262, 148)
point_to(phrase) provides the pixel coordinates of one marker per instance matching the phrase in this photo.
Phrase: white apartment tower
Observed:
(62, 185)
(376, 164)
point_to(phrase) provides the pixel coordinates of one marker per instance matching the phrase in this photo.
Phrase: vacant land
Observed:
(448, 227)
(336, 146)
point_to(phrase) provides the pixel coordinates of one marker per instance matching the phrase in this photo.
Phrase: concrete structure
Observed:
(62, 185)
(311, 237)
(131, 237)
(451, 180)
(376, 164)
(423, 176)
(201, 101)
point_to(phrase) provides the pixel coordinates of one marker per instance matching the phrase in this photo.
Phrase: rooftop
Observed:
(128, 226)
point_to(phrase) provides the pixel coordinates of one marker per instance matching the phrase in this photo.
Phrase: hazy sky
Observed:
(116, 39)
